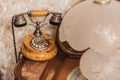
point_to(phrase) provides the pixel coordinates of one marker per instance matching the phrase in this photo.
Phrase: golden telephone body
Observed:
(38, 55)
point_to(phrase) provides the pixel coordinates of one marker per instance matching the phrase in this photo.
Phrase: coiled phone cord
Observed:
(14, 41)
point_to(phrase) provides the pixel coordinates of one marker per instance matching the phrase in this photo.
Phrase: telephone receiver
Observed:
(20, 20)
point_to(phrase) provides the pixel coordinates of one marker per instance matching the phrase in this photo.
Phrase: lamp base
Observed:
(76, 74)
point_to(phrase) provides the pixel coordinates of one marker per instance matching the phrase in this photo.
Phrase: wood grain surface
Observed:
(56, 69)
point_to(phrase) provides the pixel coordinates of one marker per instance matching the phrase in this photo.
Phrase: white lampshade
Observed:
(92, 25)
(95, 66)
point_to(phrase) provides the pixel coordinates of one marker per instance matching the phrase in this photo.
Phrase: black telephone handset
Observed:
(20, 21)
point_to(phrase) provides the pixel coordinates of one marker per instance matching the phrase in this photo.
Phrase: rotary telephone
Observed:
(37, 46)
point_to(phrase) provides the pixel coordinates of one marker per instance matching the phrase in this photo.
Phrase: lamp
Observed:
(93, 26)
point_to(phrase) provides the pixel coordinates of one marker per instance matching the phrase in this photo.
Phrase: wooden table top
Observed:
(56, 69)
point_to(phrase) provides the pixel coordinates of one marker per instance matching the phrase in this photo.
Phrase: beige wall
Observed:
(7, 9)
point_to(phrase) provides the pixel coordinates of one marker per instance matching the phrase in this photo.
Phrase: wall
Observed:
(7, 9)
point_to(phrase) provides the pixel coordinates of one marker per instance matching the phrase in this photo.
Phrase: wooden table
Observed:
(56, 69)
